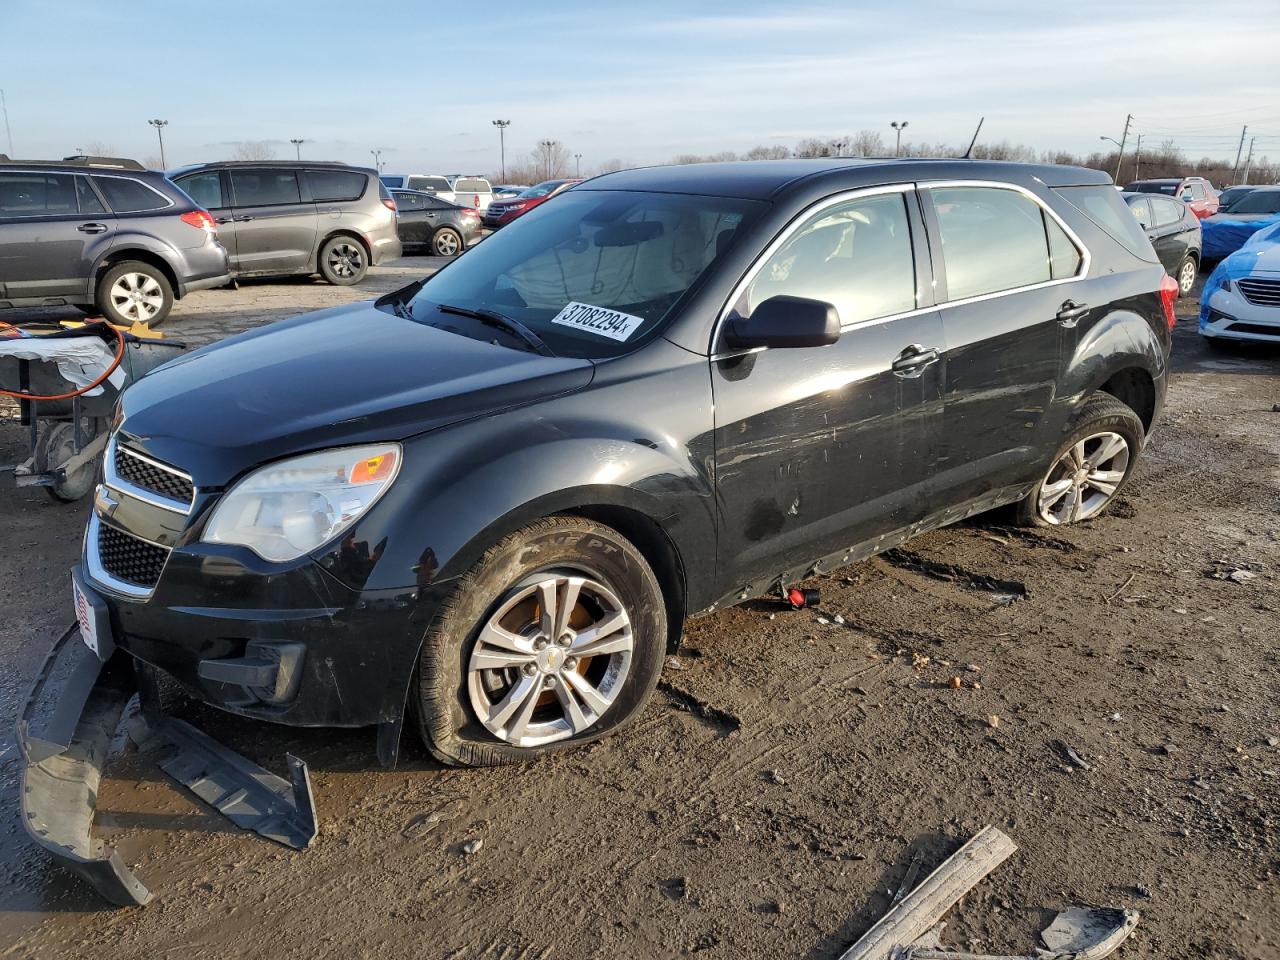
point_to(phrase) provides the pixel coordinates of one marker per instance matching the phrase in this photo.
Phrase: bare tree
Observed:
(99, 148)
(813, 147)
(612, 166)
(777, 152)
(152, 162)
(867, 143)
(552, 158)
(253, 150)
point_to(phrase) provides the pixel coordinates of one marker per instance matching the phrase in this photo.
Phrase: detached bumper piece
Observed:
(65, 733)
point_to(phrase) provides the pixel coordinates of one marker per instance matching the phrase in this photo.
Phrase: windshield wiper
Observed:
(510, 324)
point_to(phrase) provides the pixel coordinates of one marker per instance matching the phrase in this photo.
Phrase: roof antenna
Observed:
(968, 154)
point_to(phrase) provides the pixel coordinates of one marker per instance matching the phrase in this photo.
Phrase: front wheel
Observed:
(343, 261)
(554, 638)
(1089, 468)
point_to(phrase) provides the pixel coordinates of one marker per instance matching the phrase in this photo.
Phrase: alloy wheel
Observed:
(345, 259)
(1084, 479)
(447, 243)
(137, 296)
(1186, 277)
(551, 660)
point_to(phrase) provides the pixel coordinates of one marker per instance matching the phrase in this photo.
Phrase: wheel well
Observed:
(652, 541)
(1136, 390)
(364, 244)
(142, 256)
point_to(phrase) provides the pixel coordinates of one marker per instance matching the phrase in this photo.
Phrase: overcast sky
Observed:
(639, 83)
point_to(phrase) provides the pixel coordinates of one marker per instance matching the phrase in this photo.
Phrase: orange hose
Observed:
(85, 389)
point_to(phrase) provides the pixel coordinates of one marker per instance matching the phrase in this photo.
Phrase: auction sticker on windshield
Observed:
(599, 320)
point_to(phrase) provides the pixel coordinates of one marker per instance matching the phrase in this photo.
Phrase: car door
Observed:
(1005, 265)
(1171, 232)
(275, 227)
(52, 228)
(414, 221)
(821, 448)
(212, 191)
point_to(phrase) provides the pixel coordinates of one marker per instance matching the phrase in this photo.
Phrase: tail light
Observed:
(470, 212)
(200, 219)
(389, 203)
(1168, 294)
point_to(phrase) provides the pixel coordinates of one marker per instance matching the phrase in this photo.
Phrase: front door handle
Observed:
(243, 219)
(913, 361)
(1070, 312)
(92, 228)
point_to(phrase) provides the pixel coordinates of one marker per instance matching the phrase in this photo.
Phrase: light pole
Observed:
(377, 159)
(898, 128)
(297, 146)
(502, 146)
(160, 125)
(547, 146)
(577, 159)
(7, 132)
(1124, 138)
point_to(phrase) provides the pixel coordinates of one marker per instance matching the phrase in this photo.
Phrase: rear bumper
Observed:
(207, 283)
(203, 267)
(382, 249)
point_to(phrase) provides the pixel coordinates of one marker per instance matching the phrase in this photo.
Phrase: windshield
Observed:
(594, 273)
(1259, 201)
(1168, 188)
(1231, 195)
(542, 189)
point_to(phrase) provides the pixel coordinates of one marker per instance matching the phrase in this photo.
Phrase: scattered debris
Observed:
(908, 879)
(919, 660)
(954, 683)
(823, 620)
(675, 888)
(674, 663)
(973, 668)
(1225, 570)
(838, 619)
(993, 721)
(773, 776)
(1072, 756)
(1115, 717)
(421, 825)
(1122, 589)
(801, 598)
(472, 847)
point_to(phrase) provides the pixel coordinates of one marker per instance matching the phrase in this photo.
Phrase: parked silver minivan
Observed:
(280, 218)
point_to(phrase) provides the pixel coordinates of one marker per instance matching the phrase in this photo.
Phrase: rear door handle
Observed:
(243, 219)
(224, 220)
(92, 228)
(1070, 312)
(913, 360)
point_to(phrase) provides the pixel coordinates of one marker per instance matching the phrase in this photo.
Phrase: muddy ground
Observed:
(775, 817)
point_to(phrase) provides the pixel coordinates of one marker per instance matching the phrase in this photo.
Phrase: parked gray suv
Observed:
(279, 218)
(102, 235)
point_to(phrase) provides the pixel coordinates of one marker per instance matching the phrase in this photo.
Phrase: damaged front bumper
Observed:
(66, 732)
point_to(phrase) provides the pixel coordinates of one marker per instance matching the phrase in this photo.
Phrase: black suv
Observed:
(286, 218)
(102, 235)
(671, 390)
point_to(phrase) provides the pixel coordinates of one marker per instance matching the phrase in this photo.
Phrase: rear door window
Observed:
(1165, 212)
(130, 196)
(993, 240)
(1142, 210)
(89, 202)
(336, 185)
(205, 189)
(37, 195)
(856, 255)
(263, 188)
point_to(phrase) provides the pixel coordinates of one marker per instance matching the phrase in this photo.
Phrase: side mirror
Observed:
(784, 321)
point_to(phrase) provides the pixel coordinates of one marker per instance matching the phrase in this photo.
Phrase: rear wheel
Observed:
(135, 292)
(554, 638)
(55, 447)
(1090, 467)
(343, 261)
(446, 242)
(1186, 276)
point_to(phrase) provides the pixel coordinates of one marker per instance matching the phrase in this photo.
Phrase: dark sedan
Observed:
(1174, 230)
(425, 221)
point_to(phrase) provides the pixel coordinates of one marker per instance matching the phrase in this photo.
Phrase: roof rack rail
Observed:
(115, 163)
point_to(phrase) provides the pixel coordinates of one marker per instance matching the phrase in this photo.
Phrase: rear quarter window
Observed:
(1104, 206)
(336, 185)
(130, 196)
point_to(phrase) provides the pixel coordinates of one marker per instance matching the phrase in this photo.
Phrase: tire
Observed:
(343, 261)
(459, 702)
(446, 242)
(55, 447)
(1089, 469)
(135, 292)
(1186, 275)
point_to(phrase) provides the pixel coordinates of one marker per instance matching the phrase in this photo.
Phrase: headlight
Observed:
(289, 508)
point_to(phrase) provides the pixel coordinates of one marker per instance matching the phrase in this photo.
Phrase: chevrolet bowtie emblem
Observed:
(104, 504)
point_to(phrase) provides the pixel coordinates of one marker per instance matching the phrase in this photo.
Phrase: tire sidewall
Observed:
(332, 278)
(438, 234)
(108, 309)
(448, 722)
(1182, 266)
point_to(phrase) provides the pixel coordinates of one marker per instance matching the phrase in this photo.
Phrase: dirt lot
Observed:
(775, 818)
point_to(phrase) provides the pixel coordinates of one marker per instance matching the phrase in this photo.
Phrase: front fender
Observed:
(637, 439)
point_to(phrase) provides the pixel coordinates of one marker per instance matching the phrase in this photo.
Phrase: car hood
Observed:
(352, 374)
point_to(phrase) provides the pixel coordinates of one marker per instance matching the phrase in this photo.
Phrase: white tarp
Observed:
(81, 360)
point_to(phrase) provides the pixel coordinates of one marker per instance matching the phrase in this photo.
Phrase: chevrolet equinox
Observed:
(487, 502)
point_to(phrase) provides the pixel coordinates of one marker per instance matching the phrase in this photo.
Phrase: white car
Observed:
(436, 185)
(1241, 299)
(472, 192)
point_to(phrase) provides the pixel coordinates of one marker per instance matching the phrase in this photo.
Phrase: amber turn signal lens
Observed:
(374, 468)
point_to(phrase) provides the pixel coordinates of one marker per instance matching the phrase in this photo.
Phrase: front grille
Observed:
(143, 473)
(1258, 329)
(1265, 293)
(127, 558)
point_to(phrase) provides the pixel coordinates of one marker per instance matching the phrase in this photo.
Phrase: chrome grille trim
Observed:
(1264, 292)
(112, 478)
(99, 574)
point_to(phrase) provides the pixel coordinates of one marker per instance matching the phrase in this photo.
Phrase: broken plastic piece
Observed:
(801, 598)
(251, 797)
